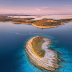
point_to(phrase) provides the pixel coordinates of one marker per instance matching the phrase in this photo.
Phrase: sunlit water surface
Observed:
(13, 38)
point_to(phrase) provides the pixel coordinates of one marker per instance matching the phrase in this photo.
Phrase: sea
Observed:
(13, 38)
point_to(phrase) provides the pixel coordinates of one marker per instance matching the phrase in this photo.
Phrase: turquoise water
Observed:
(13, 37)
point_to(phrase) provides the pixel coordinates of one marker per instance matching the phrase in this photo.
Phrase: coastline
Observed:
(19, 22)
(49, 61)
(47, 26)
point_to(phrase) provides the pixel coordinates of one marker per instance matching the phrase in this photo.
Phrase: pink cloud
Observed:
(43, 8)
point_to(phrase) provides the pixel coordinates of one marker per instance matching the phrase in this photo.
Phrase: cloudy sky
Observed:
(35, 6)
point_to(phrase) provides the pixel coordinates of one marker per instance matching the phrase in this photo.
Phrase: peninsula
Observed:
(41, 54)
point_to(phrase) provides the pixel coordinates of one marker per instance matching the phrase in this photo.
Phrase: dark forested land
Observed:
(5, 18)
(23, 20)
(66, 20)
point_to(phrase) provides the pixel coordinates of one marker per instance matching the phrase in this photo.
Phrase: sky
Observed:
(35, 7)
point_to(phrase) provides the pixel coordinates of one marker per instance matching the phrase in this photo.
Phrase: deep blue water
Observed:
(13, 37)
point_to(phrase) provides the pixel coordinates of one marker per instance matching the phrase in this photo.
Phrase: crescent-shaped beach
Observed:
(50, 59)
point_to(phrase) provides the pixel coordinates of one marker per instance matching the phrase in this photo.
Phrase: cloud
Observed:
(38, 9)
(67, 5)
(43, 8)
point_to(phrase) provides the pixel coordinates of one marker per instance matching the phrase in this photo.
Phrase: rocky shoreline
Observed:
(49, 61)
(47, 26)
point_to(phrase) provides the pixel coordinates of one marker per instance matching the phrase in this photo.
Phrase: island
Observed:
(43, 23)
(47, 23)
(39, 51)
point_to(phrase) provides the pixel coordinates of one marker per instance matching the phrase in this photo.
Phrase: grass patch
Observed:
(36, 46)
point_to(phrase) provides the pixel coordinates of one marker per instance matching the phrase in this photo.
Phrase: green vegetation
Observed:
(43, 22)
(66, 20)
(36, 46)
(20, 20)
(23, 20)
(47, 22)
(5, 18)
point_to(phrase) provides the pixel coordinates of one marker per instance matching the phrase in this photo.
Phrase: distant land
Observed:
(43, 23)
(29, 14)
(14, 15)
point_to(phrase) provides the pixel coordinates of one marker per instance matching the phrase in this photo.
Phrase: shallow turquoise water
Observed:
(13, 37)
